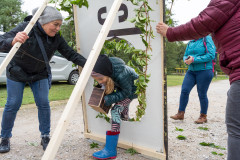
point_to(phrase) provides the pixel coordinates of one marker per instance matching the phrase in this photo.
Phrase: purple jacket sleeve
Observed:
(208, 21)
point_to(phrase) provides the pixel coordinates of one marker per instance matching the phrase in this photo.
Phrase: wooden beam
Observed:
(164, 85)
(58, 134)
(84, 104)
(127, 145)
(18, 44)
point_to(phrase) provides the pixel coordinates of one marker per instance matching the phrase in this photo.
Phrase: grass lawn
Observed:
(175, 80)
(62, 90)
(58, 91)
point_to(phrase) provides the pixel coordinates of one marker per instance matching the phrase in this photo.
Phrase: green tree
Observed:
(68, 32)
(68, 28)
(174, 55)
(168, 13)
(217, 65)
(10, 14)
(174, 50)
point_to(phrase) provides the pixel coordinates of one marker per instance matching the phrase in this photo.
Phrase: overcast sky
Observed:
(29, 5)
(184, 10)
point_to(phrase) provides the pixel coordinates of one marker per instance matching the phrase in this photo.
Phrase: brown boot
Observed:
(178, 116)
(202, 119)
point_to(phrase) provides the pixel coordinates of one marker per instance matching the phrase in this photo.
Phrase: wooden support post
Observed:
(58, 134)
(164, 84)
(126, 145)
(18, 44)
(84, 105)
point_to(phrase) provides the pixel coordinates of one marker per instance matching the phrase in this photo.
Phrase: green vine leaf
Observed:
(132, 20)
(212, 145)
(181, 137)
(131, 151)
(94, 145)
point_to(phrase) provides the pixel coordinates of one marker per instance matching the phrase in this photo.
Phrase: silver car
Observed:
(62, 69)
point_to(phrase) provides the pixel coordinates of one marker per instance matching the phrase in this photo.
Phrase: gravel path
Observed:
(25, 143)
(190, 149)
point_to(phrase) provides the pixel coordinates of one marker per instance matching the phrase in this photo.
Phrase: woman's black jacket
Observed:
(29, 56)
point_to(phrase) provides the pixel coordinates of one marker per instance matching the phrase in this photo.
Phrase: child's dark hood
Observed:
(103, 66)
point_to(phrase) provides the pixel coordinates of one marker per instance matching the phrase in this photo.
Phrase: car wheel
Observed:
(73, 77)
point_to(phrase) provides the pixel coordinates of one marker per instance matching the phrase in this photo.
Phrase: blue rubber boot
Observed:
(110, 149)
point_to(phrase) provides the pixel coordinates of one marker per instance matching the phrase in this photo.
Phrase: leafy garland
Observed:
(139, 60)
(142, 21)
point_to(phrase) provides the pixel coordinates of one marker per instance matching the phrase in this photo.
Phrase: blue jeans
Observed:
(203, 80)
(15, 89)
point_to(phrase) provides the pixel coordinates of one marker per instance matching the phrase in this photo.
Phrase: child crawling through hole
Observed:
(118, 80)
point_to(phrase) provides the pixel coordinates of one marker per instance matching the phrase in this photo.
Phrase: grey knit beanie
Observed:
(48, 15)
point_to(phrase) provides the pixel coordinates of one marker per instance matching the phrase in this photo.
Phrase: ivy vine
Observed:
(139, 58)
(142, 21)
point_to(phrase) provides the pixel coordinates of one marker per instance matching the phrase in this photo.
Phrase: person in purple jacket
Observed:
(221, 18)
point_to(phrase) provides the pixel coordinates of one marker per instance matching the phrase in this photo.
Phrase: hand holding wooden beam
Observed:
(17, 45)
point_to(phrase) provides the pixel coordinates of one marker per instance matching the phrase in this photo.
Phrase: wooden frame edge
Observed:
(143, 150)
(164, 83)
(126, 145)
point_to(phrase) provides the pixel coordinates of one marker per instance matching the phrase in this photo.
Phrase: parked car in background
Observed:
(62, 69)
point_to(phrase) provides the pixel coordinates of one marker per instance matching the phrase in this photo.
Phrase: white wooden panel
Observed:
(149, 132)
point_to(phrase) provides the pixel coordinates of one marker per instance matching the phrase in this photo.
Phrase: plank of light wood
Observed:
(84, 104)
(58, 134)
(27, 30)
(164, 83)
(126, 145)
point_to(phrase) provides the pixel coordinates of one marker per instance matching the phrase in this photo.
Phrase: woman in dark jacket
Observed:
(30, 66)
(221, 18)
(118, 80)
